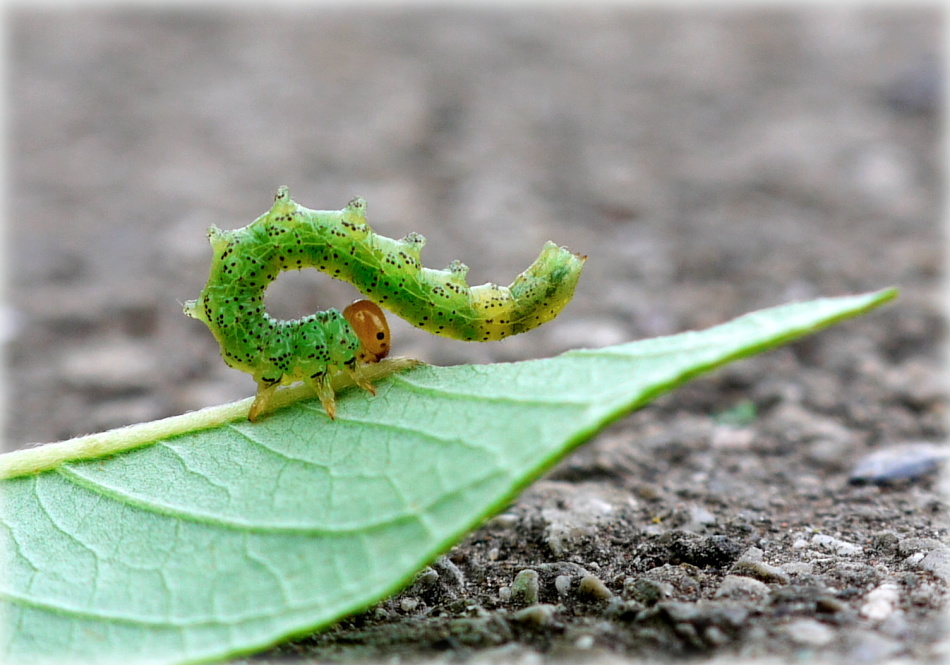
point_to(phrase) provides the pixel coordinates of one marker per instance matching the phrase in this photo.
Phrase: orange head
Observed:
(371, 327)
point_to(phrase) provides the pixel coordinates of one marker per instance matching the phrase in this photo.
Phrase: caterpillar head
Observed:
(371, 327)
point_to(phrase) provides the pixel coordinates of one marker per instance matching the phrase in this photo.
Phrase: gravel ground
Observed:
(710, 162)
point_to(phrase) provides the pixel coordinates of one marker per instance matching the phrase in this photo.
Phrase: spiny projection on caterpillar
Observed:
(388, 272)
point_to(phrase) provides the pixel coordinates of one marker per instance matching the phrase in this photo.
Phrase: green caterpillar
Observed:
(388, 272)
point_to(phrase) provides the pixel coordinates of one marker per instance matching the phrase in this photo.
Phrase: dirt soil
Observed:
(710, 162)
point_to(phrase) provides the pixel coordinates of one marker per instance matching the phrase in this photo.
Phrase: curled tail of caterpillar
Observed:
(388, 272)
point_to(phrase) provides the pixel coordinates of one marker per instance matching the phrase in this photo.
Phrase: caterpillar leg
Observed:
(356, 373)
(321, 384)
(265, 393)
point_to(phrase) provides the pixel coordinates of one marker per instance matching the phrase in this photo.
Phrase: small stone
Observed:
(715, 636)
(562, 583)
(592, 588)
(726, 437)
(752, 554)
(809, 632)
(504, 594)
(426, 577)
(504, 521)
(451, 574)
(409, 604)
(738, 586)
(896, 625)
(833, 453)
(645, 591)
(584, 642)
(830, 605)
(798, 568)
(871, 647)
(885, 543)
(937, 561)
(584, 509)
(909, 546)
(899, 463)
(914, 559)
(525, 588)
(690, 633)
(680, 612)
(761, 571)
(831, 544)
(622, 610)
(700, 516)
(686, 582)
(493, 554)
(881, 602)
(537, 616)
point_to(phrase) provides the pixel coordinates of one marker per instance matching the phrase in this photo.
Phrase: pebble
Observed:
(830, 605)
(645, 591)
(809, 632)
(886, 543)
(584, 511)
(535, 615)
(562, 583)
(592, 588)
(761, 571)
(896, 625)
(737, 586)
(725, 437)
(700, 516)
(622, 610)
(909, 546)
(903, 462)
(451, 573)
(426, 577)
(832, 453)
(409, 604)
(937, 561)
(584, 642)
(678, 612)
(832, 544)
(524, 590)
(752, 554)
(880, 602)
(715, 636)
(504, 521)
(871, 647)
(914, 559)
(798, 568)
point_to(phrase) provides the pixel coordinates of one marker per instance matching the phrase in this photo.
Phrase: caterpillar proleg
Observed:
(388, 272)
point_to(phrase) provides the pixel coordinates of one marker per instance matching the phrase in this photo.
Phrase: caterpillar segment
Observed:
(388, 272)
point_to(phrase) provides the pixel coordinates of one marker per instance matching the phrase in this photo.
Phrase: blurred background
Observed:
(708, 161)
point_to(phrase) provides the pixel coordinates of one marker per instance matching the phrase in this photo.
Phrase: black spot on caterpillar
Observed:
(388, 272)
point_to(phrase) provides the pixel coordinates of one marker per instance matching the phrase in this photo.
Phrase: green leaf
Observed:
(215, 542)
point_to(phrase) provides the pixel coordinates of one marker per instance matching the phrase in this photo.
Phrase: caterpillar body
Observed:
(388, 272)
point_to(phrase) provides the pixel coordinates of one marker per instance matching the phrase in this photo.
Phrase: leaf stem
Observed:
(43, 457)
